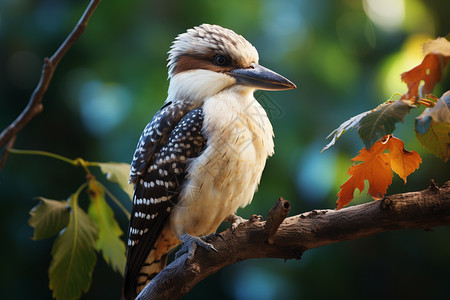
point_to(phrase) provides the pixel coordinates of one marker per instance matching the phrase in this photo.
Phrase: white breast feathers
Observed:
(226, 175)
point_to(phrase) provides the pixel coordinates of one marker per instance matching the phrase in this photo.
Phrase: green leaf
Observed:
(73, 255)
(436, 140)
(118, 173)
(433, 128)
(109, 232)
(381, 121)
(347, 125)
(48, 218)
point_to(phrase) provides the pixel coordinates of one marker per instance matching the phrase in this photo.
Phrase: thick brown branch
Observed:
(299, 233)
(34, 105)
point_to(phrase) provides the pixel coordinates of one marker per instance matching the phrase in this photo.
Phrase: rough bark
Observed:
(299, 233)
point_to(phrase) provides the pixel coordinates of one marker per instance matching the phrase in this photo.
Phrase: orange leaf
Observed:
(429, 71)
(376, 168)
(403, 162)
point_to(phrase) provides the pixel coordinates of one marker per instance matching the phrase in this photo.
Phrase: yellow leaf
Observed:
(109, 232)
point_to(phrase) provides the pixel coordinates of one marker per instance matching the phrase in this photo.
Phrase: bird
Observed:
(202, 154)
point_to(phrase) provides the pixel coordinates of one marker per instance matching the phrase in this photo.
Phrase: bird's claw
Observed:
(190, 244)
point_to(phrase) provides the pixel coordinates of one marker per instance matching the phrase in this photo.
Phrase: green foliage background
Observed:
(344, 61)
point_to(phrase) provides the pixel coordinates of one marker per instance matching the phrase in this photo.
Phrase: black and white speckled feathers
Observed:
(155, 134)
(158, 171)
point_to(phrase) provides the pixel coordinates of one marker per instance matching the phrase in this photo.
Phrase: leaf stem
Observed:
(75, 162)
(392, 97)
(81, 162)
(74, 198)
(116, 201)
(43, 153)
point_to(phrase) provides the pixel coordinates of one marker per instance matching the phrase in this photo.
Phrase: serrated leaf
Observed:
(381, 121)
(118, 173)
(433, 128)
(347, 125)
(376, 167)
(48, 218)
(109, 232)
(73, 255)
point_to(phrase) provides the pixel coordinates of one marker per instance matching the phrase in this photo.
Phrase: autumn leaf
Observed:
(403, 162)
(377, 167)
(380, 121)
(429, 71)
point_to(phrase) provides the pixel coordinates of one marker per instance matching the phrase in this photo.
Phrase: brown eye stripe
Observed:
(191, 62)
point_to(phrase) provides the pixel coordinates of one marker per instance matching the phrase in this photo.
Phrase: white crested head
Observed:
(208, 59)
(202, 43)
(201, 59)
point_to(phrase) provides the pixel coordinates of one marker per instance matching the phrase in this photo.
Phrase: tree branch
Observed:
(34, 105)
(300, 233)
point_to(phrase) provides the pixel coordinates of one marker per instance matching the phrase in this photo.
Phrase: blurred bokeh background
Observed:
(345, 56)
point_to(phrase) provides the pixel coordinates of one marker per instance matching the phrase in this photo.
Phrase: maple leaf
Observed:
(377, 167)
(437, 53)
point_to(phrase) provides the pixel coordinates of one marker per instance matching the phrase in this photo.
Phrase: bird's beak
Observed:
(262, 78)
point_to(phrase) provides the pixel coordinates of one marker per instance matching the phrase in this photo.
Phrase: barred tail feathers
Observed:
(155, 263)
(157, 258)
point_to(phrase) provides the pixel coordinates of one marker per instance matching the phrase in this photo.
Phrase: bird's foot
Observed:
(235, 221)
(190, 244)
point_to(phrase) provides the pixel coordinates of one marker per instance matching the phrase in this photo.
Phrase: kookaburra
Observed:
(202, 155)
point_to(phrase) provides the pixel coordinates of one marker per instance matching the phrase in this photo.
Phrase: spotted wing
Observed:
(157, 187)
(155, 134)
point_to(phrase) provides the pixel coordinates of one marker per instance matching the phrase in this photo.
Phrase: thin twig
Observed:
(34, 105)
(7, 150)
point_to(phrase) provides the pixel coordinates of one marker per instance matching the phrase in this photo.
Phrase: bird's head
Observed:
(209, 58)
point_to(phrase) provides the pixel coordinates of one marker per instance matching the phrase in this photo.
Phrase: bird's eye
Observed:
(220, 60)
